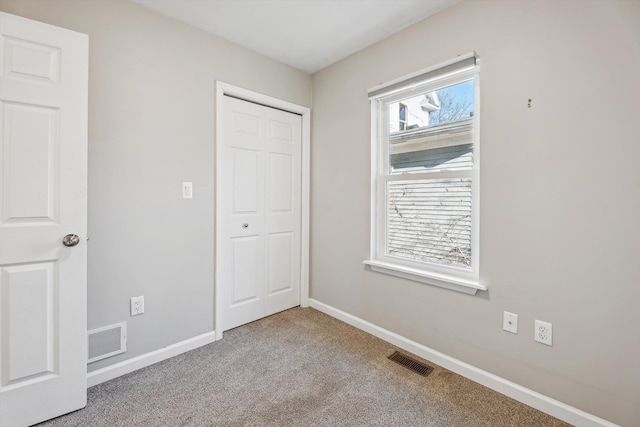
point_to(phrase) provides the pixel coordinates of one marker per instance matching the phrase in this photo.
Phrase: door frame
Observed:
(223, 89)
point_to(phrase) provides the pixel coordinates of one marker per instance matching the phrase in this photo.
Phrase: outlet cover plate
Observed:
(137, 305)
(543, 332)
(510, 322)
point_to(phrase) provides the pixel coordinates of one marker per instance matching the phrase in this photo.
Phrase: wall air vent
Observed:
(106, 342)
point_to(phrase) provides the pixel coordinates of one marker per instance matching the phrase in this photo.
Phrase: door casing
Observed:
(223, 89)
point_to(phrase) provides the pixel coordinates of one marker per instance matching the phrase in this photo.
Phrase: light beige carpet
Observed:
(296, 368)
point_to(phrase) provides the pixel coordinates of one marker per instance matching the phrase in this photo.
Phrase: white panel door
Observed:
(43, 185)
(260, 205)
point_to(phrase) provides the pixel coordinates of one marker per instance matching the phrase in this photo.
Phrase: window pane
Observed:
(435, 130)
(457, 157)
(402, 116)
(402, 112)
(454, 103)
(430, 221)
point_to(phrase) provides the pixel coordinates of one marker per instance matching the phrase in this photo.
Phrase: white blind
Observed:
(461, 63)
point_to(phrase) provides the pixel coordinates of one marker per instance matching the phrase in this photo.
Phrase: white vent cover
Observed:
(108, 341)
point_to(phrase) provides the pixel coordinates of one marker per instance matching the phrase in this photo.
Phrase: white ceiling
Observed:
(306, 34)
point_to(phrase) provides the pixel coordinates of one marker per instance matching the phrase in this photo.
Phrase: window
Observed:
(426, 177)
(402, 116)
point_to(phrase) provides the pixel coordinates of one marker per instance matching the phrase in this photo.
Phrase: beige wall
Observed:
(560, 196)
(151, 126)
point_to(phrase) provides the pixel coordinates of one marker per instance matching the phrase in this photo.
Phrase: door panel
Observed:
(32, 61)
(281, 131)
(283, 210)
(28, 310)
(281, 182)
(30, 147)
(247, 124)
(245, 280)
(245, 181)
(243, 201)
(280, 268)
(43, 179)
(260, 204)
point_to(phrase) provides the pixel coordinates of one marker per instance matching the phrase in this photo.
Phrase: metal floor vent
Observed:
(410, 363)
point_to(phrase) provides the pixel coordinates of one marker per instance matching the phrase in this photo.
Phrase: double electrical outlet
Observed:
(543, 331)
(137, 305)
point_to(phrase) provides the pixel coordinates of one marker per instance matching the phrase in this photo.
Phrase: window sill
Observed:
(449, 282)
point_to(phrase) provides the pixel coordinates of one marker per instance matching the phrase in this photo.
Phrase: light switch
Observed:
(187, 190)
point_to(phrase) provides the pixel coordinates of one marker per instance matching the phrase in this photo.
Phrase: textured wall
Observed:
(151, 126)
(560, 196)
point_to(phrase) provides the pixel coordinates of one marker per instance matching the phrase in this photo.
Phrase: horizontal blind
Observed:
(460, 64)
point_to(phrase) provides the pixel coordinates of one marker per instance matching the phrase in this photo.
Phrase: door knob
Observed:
(245, 225)
(71, 240)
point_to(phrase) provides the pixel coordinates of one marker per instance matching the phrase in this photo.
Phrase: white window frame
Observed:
(458, 279)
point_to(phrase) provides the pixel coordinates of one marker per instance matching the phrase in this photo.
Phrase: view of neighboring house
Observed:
(413, 113)
(430, 219)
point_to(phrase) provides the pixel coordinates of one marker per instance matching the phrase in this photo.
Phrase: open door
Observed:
(43, 221)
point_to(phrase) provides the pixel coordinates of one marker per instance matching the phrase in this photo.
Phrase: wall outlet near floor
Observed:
(510, 322)
(543, 332)
(137, 305)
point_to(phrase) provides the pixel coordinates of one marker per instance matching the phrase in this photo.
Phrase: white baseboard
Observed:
(529, 397)
(118, 369)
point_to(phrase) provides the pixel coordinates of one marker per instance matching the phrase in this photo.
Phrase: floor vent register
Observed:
(411, 363)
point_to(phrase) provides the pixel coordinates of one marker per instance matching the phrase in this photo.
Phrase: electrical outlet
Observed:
(510, 322)
(543, 332)
(137, 305)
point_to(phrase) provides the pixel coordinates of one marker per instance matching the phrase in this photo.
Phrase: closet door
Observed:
(260, 206)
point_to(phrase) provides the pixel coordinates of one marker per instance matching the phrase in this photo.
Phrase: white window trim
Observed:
(466, 281)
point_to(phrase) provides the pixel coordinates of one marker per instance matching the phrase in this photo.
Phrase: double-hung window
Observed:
(425, 186)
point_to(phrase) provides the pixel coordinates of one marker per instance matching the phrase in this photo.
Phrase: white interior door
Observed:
(260, 211)
(43, 184)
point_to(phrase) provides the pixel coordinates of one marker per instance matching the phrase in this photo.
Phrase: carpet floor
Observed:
(296, 368)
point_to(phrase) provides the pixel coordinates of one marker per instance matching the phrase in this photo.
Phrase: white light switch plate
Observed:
(187, 190)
